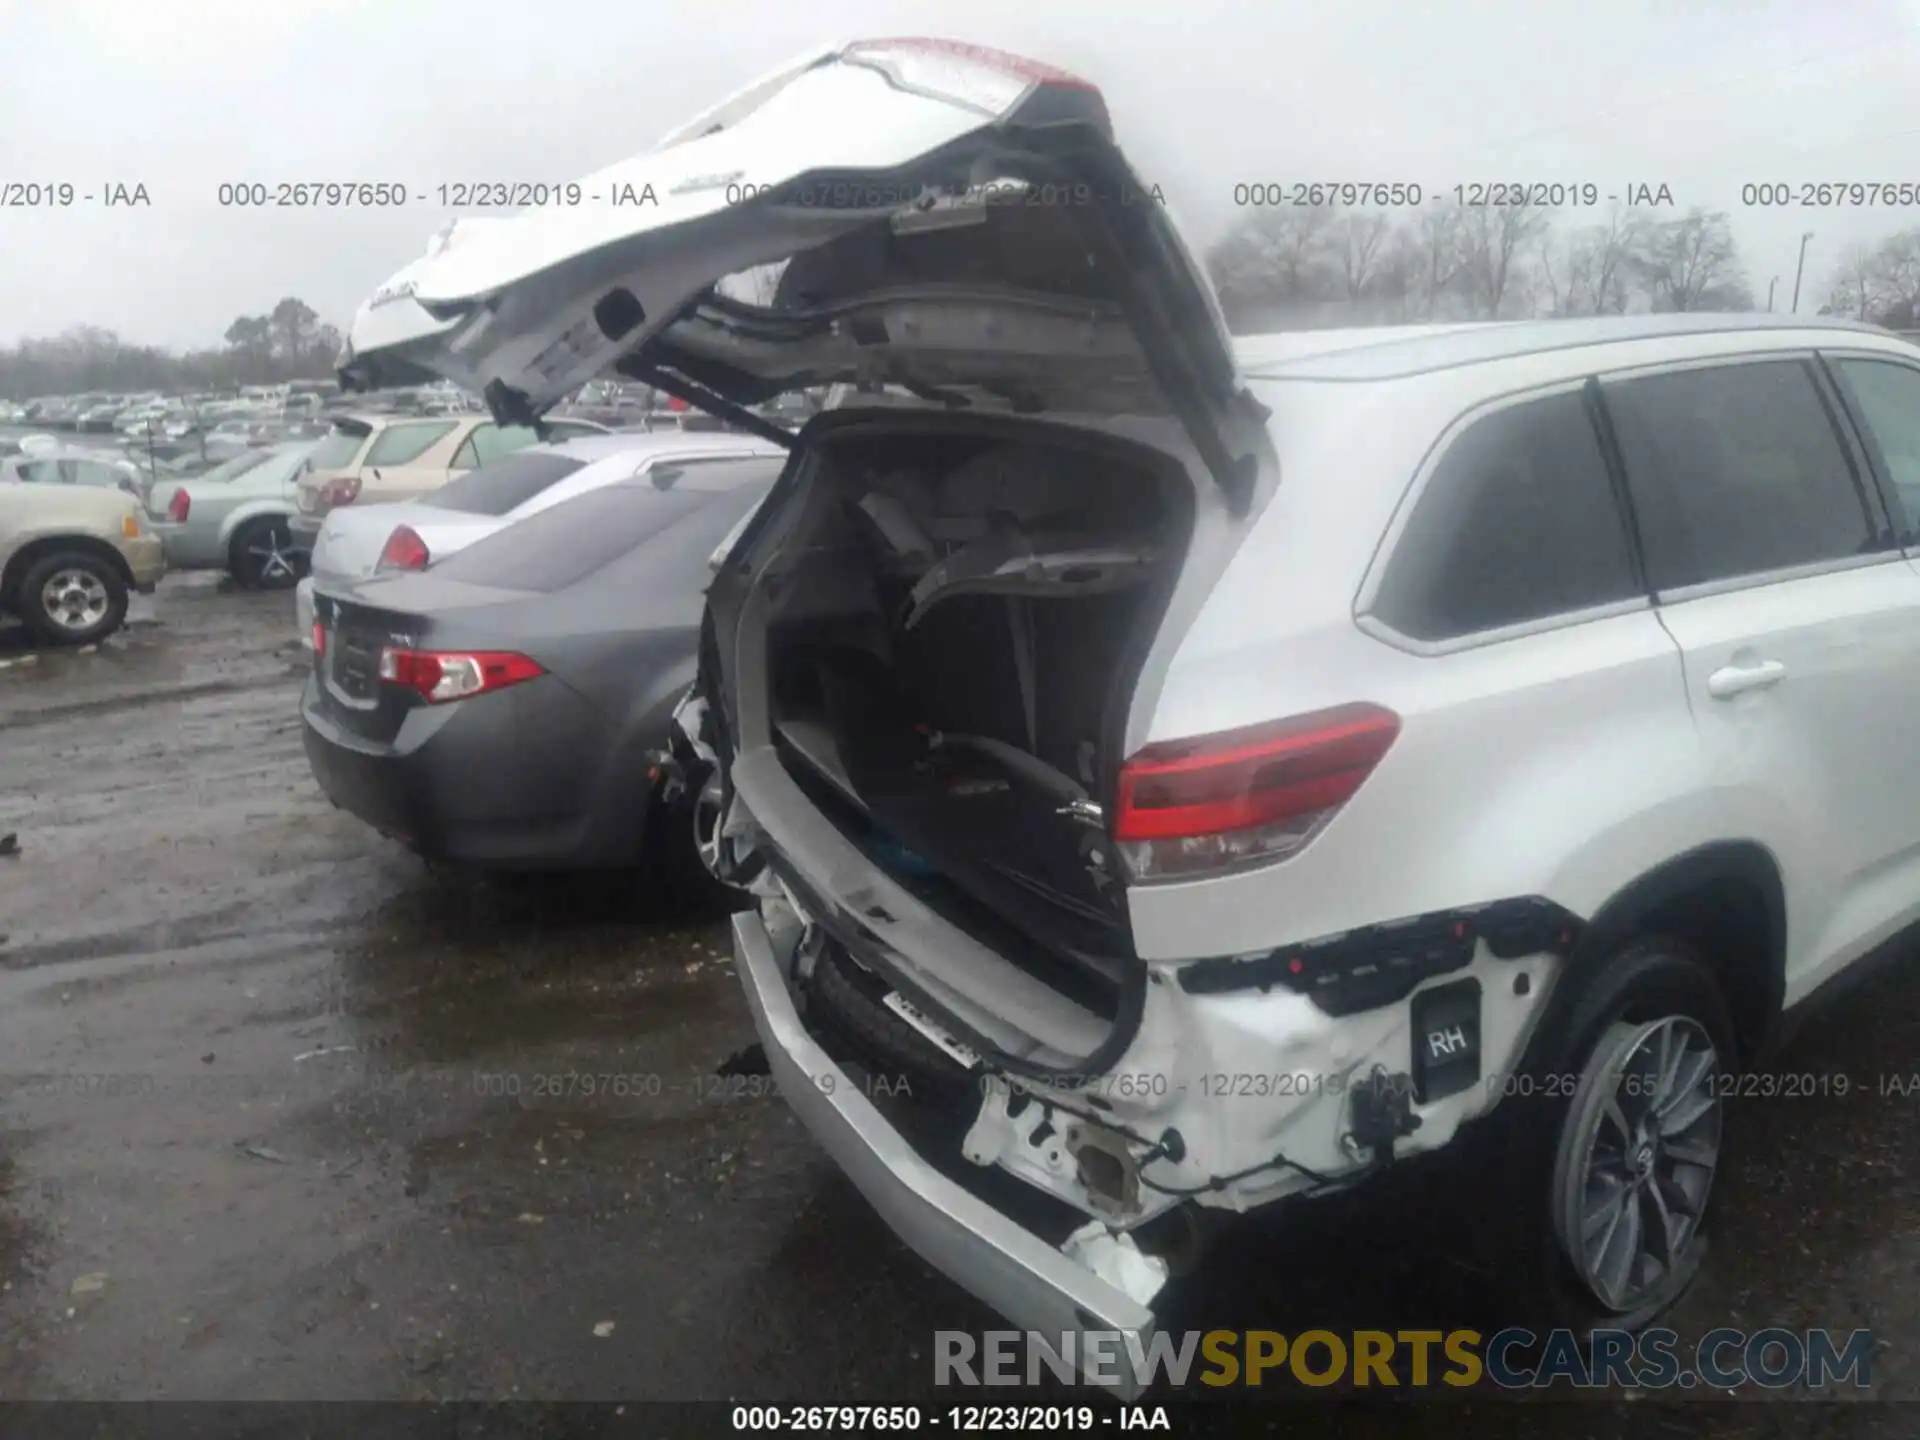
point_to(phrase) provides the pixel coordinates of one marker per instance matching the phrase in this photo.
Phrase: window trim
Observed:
(1906, 528)
(1865, 487)
(1375, 577)
(368, 461)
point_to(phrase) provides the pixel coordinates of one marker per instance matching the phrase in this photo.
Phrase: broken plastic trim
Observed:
(1380, 964)
(872, 951)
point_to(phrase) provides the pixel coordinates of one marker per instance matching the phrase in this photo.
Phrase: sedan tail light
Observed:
(441, 675)
(342, 491)
(405, 550)
(1237, 798)
(178, 507)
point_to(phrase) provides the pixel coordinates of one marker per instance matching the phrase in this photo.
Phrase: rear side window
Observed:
(504, 485)
(1888, 396)
(1737, 470)
(91, 472)
(337, 450)
(1518, 522)
(562, 546)
(489, 442)
(403, 444)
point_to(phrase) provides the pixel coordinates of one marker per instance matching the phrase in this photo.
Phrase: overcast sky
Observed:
(1703, 95)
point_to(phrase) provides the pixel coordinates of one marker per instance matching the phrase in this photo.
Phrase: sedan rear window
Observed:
(503, 485)
(562, 546)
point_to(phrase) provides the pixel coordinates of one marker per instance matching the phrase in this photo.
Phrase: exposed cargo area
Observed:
(953, 634)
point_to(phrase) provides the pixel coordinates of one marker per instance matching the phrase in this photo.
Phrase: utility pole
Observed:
(1799, 269)
(1770, 285)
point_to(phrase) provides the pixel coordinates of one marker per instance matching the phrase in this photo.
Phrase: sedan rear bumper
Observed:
(1035, 1286)
(465, 785)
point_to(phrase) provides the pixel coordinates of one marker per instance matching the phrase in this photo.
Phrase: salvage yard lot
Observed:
(285, 1115)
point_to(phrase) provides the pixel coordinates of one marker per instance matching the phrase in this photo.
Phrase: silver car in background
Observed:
(356, 542)
(234, 517)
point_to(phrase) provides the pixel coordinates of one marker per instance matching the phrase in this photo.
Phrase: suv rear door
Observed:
(951, 219)
(1777, 571)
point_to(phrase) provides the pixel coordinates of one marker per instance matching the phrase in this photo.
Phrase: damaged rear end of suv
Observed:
(1028, 697)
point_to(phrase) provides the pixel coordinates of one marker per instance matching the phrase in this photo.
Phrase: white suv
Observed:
(1218, 769)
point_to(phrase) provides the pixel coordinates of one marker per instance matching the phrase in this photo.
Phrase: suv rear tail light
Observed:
(405, 550)
(178, 507)
(441, 675)
(342, 491)
(1238, 798)
(972, 75)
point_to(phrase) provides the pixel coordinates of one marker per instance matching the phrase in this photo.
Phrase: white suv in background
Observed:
(1217, 769)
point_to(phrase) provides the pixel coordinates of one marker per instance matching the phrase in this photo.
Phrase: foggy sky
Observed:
(1703, 95)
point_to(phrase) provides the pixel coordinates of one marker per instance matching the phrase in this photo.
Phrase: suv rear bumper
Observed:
(1035, 1286)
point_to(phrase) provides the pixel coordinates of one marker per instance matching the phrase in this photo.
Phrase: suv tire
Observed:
(1640, 1044)
(71, 597)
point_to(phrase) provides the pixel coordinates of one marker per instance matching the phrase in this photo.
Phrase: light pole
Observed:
(1770, 286)
(1798, 269)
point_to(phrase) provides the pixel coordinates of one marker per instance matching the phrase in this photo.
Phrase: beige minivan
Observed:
(69, 555)
(373, 459)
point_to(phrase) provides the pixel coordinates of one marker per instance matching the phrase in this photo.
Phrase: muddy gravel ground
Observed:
(284, 1115)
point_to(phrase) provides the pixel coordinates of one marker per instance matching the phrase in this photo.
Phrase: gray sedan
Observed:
(234, 517)
(508, 707)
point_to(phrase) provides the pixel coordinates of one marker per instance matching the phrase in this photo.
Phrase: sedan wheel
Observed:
(707, 816)
(264, 556)
(1642, 1144)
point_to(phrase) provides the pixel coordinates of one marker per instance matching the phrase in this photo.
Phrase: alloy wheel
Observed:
(708, 815)
(75, 600)
(1642, 1144)
(270, 555)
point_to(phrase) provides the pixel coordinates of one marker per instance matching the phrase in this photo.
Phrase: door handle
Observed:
(1731, 680)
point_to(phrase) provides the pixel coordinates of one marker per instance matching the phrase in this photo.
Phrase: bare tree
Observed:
(1693, 264)
(1497, 240)
(1894, 283)
(1273, 261)
(1610, 250)
(1854, 287)
(1361, 236)
(1433, 253)
(1565, 263)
